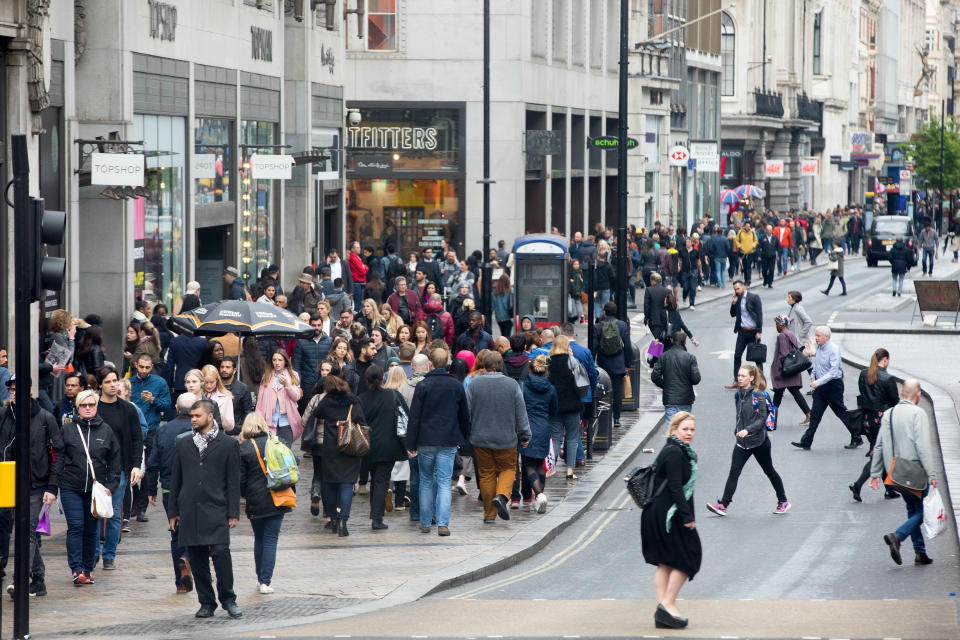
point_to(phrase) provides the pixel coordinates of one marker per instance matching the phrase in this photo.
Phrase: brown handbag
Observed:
(352, 439)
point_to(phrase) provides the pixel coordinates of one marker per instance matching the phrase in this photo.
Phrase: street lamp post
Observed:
(487, 288)
(623, 253)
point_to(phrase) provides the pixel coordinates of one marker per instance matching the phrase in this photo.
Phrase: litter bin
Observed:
(602, 431)
(630, 402)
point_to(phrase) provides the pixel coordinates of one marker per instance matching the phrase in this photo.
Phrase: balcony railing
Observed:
(808, 109)
(768, 104)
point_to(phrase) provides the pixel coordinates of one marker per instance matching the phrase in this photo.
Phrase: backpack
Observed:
(435, 324)
(610, 341)
(771, 422)
(282, 468)
(394, 268)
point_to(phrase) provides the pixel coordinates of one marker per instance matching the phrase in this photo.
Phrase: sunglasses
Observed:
(88, 405)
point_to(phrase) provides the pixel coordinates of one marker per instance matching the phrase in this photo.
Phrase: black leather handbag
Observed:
(794, 362)
(756, 353)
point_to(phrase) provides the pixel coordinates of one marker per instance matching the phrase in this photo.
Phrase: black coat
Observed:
(123, 418)
(338, 467)
(161, 455)
(205, 491)
(754, 309)
(46, 445)
(880, 396)
(604, 277)
(439, 414)
(563, 381)
(768, 247)
(654, 313)
(242, 402)
(899, 257)
(380, 410)
(104, 452)
(676, 372)
(253, 482)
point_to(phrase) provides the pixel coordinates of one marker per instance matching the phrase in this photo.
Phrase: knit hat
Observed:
(782, 320)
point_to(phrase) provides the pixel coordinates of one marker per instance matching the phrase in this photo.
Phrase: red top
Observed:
(784, 235)
(358, 270)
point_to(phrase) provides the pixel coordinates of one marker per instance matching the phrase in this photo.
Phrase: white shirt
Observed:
(336, 269)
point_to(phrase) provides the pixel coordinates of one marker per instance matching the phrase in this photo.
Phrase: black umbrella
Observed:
(242, 318)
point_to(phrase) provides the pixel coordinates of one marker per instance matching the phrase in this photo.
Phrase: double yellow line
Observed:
(582, 542)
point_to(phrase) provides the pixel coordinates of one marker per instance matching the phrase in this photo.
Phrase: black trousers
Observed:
(764, 459)
(616, 381)
(828, 395)
(797, 395)
(506, 327)
(747, 262)
(379, 483)
(744, 337)
(767, 267)
(200, 557)
(833, 278)
(140, 496)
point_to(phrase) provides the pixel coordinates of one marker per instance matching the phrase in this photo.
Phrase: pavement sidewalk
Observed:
(318, 575)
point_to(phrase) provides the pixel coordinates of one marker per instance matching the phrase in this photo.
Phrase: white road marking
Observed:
(726, 354)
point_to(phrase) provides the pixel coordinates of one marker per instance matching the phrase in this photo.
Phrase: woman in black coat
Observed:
(340, 471)
(900, 258)
(380, 407)
(667, 527)
(878, 392)
(566, 424)
(265, 517)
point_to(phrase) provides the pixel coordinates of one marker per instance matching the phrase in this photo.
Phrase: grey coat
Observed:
(498, 413)
(909, 437)
(800, 322)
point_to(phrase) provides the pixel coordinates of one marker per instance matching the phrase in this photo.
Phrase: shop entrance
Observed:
(214, 246)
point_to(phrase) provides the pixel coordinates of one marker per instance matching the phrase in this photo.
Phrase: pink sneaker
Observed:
(717, 508)
(782, 507)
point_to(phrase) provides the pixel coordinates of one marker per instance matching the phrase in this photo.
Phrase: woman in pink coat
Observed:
(278, 396)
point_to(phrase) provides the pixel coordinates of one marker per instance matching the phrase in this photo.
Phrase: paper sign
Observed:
(119, 169)
(700, 150)
(810, 167)
(773, 169)
(271, 167)
(205, 166)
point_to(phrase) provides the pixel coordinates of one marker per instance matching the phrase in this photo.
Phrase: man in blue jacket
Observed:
(438, 424)
(481, 339)
(158, 469)
(719, 251)
(615, 363)
(308, 353)
(236, 291)
(183, 354)
(149, 392)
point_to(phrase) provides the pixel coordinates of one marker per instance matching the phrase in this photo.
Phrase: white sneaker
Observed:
(541, 503)
(265, 589)
(461, 488)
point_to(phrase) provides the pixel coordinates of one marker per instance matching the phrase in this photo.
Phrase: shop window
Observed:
(158, 221)
(382, 25)
(212, 160)
(257, 202)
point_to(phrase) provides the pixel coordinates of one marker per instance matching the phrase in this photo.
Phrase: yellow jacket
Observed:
(747, 240)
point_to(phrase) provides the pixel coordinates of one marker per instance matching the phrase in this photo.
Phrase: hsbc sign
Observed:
(679, 156)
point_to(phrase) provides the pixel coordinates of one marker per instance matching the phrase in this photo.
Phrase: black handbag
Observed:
(641, 485)
(794, 362)
(756, 353)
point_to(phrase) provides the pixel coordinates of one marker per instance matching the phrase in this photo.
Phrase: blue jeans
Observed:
(436, 469)
(339, 494)
(928, 253)
(112, 538)
(827, 244)
(358, 296)
(266, 534)
(784, 259)
(914, 518)
(670, 410)
(414, 486)
(602, 297)
(176, 551)
(720, 270)
(566, 426)
(898, 283)
(83, 530)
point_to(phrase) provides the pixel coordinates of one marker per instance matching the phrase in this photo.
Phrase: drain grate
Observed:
(273, 610)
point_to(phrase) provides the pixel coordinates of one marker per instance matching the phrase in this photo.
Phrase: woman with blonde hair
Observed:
(390, 320)
(278, 396)
(396, 380)
(149, 343)
(754, 411)
(668, 529)
(265, 517)
(213, 389)
(565, 424)
(369, 317)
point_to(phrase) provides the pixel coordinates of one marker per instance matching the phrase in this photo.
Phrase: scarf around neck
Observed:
(688, 487)
(202, 440)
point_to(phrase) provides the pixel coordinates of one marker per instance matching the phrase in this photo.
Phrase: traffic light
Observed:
(49, 229)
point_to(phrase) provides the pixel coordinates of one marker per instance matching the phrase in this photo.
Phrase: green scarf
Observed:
(688, 487)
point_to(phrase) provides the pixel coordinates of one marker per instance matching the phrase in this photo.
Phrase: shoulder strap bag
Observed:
(904, 474)
(101, 504)
(352, 439)
(282, 497)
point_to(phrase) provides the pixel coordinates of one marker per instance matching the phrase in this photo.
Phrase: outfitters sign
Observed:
(392, 138)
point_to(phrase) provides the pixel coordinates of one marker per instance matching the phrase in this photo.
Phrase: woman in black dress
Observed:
(667, 528)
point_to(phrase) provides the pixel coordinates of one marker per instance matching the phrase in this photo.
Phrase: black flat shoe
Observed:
(205, 611)
(234, 611)
(854, 444)
(856, 493)
(894, 543)
(332, 525)
(663, 619)
(800, 445)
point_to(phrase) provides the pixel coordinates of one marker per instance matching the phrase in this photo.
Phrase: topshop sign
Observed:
(392, 138)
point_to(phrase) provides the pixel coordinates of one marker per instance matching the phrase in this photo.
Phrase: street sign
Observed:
(699, 150)
(708, 164)
(610, 143)
(773, 169)
(810, 167)
(679, 156)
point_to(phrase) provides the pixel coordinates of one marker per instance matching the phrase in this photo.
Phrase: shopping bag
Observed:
(655, 349)
(627, 388)
(934, 515)
(43, 525)
(550, 462)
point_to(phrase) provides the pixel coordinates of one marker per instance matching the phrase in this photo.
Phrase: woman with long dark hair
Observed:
(340, 471)
(878, 392)
(421, 336)
(90, 354)
(381, 407)
(278, 396)
(503, 304)
(212, 354)
(252, 364)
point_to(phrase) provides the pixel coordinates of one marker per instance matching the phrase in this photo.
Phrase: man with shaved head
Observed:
(905, 433)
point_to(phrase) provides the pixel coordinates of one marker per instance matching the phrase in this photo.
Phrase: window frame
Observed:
(728, 86)
(817, 43)
(396, 26)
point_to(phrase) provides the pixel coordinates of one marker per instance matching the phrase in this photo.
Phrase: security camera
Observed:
(353, 117)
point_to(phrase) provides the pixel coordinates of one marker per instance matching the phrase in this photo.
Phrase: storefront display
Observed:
(257, 202)
(212, 160)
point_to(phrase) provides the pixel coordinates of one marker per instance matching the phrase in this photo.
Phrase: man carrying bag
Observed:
(903, 460)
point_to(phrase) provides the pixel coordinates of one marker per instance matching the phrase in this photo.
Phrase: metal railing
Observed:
(768, 103)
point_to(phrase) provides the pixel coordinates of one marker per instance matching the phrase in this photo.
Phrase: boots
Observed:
(342, 528)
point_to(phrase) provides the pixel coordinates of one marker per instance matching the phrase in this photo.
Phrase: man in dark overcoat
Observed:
(205, 504)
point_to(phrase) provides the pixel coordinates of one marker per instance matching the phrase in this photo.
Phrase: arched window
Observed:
(728, 45)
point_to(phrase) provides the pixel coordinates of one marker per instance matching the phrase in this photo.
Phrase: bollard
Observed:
(8, 484)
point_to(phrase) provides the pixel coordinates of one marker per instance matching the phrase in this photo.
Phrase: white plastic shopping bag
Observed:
(550, 462)
(934, 515)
